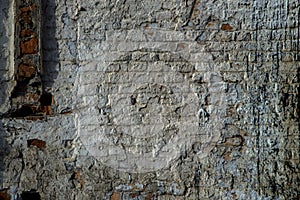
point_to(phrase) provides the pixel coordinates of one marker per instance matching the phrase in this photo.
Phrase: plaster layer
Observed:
(160, 100)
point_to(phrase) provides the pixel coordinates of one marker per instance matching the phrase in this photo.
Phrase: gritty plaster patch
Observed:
(143, 110)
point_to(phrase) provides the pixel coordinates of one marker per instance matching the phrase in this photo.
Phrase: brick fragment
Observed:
(77, 176)
(27, 33)
(226, 27)
(4, 195)
(25, 71)
(28, 8)
(133, 195)
(36, 142)
(115, 196)
(29, 46)
(47, 110)
(227, 157)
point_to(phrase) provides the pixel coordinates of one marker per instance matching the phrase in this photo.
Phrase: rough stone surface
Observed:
(179, 99)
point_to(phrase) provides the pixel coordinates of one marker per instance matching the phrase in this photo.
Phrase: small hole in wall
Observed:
(46, 99)
(133, 100)
(31, 195)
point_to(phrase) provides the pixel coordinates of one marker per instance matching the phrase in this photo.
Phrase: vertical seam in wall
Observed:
(76, 85)
(254, 107)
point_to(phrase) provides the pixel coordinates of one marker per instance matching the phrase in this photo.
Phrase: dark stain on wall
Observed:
(50, 54)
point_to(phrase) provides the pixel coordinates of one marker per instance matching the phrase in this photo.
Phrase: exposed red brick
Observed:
(227, 157)
(47, 110)
(26, 96)
(26, 71)
(28, 8)
(133, 195)
(36, 142)
(77, 176)
(4, 195)
(115, 196)
(30, 46)
(209, 24)
(226, 27)
(27, 33)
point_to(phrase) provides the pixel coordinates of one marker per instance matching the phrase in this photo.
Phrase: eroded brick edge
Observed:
(28, 99)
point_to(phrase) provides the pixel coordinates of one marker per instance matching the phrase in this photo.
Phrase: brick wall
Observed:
(152, 100)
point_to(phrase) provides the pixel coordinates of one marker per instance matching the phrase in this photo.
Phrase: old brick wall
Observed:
(179, 99)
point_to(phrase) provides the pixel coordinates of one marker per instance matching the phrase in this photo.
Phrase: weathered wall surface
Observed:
(183, 99)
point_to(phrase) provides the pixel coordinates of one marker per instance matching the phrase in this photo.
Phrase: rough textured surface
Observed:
(183, 99)
(27, 59)
(28, 99)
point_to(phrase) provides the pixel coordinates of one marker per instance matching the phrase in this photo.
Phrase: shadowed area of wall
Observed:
(50, 57)
(5, 77)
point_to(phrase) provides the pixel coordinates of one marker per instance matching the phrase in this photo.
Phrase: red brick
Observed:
(47, 110)
(4, 195)
(27, 33)
(36, 142)
(115, 196)
(29, 46)
(26, 71)
(28, 8)
(226, 27)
